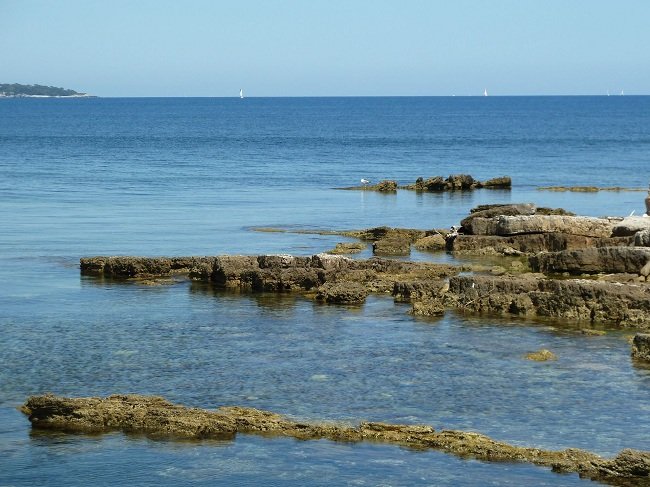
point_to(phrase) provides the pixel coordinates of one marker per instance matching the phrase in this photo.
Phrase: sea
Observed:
(201, 176)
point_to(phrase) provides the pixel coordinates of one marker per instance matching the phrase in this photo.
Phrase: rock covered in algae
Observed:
(157, 417)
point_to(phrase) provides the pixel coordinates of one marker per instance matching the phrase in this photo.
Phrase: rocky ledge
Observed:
(156, 417)
(455, 182)
(330, 278)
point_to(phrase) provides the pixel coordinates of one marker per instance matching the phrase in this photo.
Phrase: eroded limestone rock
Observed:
(608, 260)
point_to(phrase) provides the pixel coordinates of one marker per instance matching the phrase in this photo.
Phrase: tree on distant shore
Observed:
(16, 89)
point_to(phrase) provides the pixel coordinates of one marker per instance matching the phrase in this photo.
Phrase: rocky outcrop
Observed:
(431, 243)
(642, 238)
(529, 244)
(331, 278)
(571, 225)
(391, 246)
(641, 347)
(127, 267)
(481, 222)
(606, 260)
(542, 355)
(342, 293)
(457, 182)
(630, 226)
(347, 248)
(531, 295)
(156, 417)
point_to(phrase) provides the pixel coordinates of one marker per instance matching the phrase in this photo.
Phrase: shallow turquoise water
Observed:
(182, 177)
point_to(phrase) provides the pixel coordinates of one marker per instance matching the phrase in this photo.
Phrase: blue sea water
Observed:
(179, 176)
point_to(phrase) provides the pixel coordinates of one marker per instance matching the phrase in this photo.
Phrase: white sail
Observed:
(241, 93)
(485, 92)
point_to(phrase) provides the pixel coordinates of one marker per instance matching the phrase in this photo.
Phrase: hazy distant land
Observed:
(16, 90)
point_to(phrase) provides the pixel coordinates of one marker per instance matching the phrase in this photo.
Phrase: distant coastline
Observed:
(16, 90)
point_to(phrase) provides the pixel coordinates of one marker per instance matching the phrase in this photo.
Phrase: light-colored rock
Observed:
(630, 226)
(571, 225)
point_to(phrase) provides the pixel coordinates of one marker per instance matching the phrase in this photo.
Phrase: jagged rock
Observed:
(460, 181)
(156, 417)
(627, 464)
(571, 225)
(342, 293)
(621, 305)
(642, 238)
(431, 243)
(641, 346)
(386, 185)
(391, 246)
(542, 355)
(553, 211)
(608, 260)
(630, 226)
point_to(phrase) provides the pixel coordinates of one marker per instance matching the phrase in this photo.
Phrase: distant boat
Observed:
(607, 92)
(485, 92)
(241, 93)
(622, 92)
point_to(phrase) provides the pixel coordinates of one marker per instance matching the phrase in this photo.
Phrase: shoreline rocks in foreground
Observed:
(156, 417)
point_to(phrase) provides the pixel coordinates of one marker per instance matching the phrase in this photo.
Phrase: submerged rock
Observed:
(154, 416)
(542, 355)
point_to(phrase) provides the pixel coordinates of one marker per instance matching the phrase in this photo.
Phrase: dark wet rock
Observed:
(156, 417)
(630, 226)
(342, 293)
(607, 260)
(642, 238)
(348, 248)
(641, 347)
(391, 246)
(531, 295)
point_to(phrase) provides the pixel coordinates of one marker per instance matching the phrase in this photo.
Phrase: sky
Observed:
(121, 48)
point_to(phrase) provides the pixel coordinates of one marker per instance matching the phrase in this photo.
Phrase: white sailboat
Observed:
(241, 93)
(485, 92)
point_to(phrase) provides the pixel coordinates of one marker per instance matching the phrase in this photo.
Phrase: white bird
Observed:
(364, 181)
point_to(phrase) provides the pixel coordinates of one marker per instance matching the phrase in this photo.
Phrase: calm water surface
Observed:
(192, 176)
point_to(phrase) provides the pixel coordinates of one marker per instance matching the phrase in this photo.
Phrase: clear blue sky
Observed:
(327, 47)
